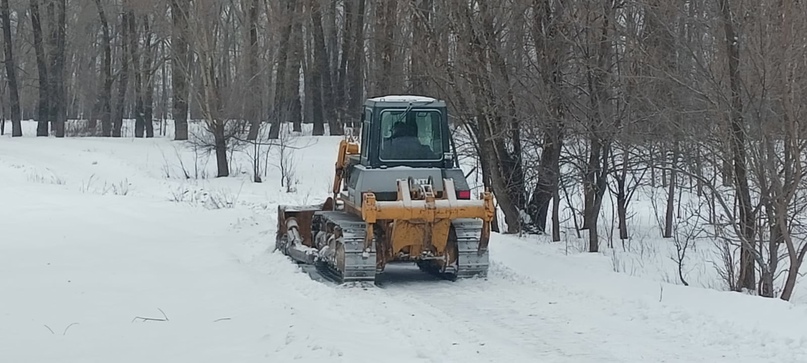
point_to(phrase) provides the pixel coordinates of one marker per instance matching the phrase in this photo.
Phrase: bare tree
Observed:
(253, 104)
(11, 70)
(355, 75)
(280, 107)
(123, 80)
(384, 47)
(57, 18)
(599, 120)
(325, 87)
(548, 31)
(747, 218)
(105, 91)
(43, 116)
(137, 71)
(180, 66)
(148, 77)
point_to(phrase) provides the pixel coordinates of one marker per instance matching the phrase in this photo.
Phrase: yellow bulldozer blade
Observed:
(421, 221)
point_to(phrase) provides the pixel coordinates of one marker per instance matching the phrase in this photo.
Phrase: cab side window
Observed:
(365, 132)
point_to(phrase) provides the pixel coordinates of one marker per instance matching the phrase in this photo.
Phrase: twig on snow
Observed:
(164, 318)
(63, 332)
(68, 327)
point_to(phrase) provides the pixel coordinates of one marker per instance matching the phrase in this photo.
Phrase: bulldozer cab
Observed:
(402, 138)
(407, 131)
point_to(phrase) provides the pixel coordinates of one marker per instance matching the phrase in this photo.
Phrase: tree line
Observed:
(592, 96)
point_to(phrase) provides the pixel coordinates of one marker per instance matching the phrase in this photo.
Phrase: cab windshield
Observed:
(411, 136)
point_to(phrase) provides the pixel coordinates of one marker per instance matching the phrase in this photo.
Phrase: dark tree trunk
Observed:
(594, 185)
(555, 181)
(492, 150)
(421, 45)
(222, 167)
(105, 94)
(539, 206)
(487, 184)
(747, 274)
(556, 214)
(727, 174)
(321, 61)
(148, 102)
(595, 182)
(61, 51)
(253, 82)
(385, 46)
(140, 122)
(163, 91)
(670, 212)
(90, 103)
(316, 98)
(281, 104)
(548, 178)
(355, 76)
(120, 104)
(11, 71)
(340, 88)
(622, 195)
(315, 69)
(331, 44)
(295, 66)
(56, 11)
(589, 181)
(312, 114)
(776, 239)
(597, 167)
(180, 67)
(43, 117)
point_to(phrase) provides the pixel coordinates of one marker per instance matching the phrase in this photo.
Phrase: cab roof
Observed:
(404, 100)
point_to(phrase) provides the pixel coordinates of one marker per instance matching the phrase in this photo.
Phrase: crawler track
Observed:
(470, 262)
(348, 262)
(340, 239)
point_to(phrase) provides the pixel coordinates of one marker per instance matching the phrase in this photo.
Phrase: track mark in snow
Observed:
(489, 323)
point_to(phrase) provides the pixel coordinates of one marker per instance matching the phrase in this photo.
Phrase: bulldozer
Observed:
(399, 196)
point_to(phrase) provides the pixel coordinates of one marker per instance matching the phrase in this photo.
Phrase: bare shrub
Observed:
(37, 177)
(686, 230)
(95, 186)
(222, 199)
(78, 128)
(287, 163)
(210, 199)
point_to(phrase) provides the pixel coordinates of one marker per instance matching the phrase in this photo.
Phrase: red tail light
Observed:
(463, 194)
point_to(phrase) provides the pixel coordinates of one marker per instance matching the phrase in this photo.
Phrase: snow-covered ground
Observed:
(109, 254)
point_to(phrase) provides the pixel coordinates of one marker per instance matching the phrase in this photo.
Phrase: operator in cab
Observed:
(405, 145)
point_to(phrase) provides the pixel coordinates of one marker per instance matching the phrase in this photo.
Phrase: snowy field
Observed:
(108, 253)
